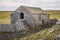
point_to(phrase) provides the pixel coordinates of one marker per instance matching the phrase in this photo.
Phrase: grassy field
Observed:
(5, 17)
(54, 14)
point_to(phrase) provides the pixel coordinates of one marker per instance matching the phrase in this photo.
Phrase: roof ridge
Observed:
(30, 7)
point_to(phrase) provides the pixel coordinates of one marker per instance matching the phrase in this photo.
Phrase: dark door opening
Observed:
(42, 21)
(21, 15)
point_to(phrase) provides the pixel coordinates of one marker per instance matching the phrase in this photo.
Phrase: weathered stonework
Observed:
(7, 28)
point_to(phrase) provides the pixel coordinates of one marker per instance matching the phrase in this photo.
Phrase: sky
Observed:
(11, 5)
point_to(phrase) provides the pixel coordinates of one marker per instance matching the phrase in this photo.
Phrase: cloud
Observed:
(44, 4)
(8, 4)
(52, 4)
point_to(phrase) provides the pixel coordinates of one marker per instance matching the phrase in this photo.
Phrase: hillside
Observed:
(46, 34)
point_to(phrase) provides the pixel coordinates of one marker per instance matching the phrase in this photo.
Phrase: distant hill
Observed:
(52, 10)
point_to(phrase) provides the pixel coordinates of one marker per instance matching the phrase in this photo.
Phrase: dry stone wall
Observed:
(7, 28)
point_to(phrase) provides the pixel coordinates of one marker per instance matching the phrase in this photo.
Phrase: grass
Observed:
(5, 17)
(42, 35)
(54, 14)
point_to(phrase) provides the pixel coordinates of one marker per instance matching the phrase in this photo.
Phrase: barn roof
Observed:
(33, 9)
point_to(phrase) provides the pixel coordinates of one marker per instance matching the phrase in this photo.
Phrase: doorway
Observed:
(42, 21)
(21, 15)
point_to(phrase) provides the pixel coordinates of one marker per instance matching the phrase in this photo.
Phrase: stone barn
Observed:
(32, 15)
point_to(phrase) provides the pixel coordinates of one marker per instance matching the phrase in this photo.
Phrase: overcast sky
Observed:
(9, 5)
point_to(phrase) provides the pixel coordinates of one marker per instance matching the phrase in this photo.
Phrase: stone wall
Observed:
(7, 28)
(18, 26)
